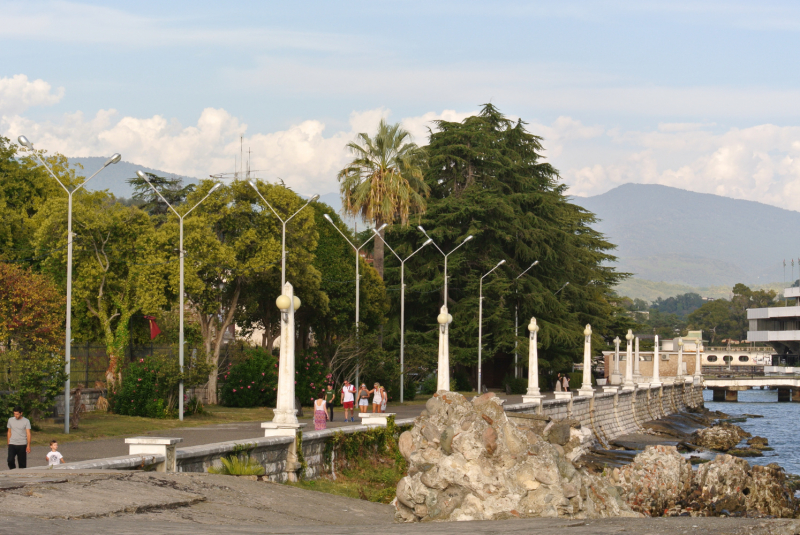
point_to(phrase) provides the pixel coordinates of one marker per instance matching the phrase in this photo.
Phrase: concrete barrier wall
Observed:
(611, 415)
(608, 415)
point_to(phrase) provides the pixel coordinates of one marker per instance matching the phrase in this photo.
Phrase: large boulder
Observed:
(656, 481)
(721, 437)
(467, 461)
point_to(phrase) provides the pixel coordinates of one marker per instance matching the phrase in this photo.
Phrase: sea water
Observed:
(779, 425)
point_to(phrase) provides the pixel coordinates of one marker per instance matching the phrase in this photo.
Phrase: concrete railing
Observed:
(608, 415)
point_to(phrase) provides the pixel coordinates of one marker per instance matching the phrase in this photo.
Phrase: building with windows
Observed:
(779, 327)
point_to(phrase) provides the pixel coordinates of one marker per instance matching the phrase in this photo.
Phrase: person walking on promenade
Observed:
(54, 458)
(348, 399)
(19, 440)
(558, 383)
(376, 399)
(363, 398)
(320, 415)
(384, 399)
(330, 396)
(566, 382)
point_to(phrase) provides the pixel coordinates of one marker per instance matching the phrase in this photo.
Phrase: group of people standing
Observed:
(562, 383)
(323, 406)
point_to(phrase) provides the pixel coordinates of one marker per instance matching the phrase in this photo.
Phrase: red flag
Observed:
(154, 330)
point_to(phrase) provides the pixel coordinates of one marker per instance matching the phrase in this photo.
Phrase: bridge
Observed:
(726, 387)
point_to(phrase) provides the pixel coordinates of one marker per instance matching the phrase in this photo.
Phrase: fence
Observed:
(89, 362)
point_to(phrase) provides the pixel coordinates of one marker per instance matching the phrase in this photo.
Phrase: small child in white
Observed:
(54, 457)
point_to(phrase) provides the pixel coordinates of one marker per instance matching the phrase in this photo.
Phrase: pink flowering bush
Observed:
(250, 382)
(312, 376)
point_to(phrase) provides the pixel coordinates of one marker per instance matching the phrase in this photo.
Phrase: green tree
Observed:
(117, 266)
(171, 188)
(682, 305)
(715, 318)
(233, 262)
(384, 182)
(488, 179)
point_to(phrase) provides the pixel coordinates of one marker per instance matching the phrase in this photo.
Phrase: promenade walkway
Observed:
(195, 436)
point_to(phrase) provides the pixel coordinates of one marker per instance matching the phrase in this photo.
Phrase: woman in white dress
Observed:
(377, 398)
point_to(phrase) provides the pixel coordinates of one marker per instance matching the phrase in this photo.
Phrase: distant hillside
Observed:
(695, 239)
(114, 177)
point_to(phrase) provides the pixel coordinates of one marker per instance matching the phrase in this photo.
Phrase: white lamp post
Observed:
(656, 381)
(679, 374)
(444, 319)
(637, 375)
(698, 374)
(616, 376)
(445, 257)
(586, 388)
(516, 319)
(283, 223)
(480, 324)
(628, 385)
(533, 394)
(358, 276)
(402, 305)
(181, 254)
(68, 343)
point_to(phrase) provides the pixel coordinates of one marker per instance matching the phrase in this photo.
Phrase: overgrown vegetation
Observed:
(365, 465)
(238, 466)
(251, 382)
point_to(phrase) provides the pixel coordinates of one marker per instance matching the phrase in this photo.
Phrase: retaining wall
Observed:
(608, 415)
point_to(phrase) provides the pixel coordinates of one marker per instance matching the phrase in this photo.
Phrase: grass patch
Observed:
(98, 424)
(374, 480)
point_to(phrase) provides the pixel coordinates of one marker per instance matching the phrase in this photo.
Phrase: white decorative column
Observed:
(533, 395)
(637, 375)
(656, 381)
(679, 373)
(285, 421)
(586, 388)
(698, 374)
(443, 376)
(628, 385)
(616, 376)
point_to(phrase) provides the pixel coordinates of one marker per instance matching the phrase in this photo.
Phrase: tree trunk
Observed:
(377, 254)
(213, 335)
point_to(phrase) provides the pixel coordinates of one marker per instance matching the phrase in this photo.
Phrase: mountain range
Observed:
(668, 238)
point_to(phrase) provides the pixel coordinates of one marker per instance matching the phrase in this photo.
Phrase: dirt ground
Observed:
(200, 504)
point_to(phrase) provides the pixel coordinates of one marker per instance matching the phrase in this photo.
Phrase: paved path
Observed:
(195, 436)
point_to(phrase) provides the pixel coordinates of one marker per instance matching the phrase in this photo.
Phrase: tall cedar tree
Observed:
(487, 178)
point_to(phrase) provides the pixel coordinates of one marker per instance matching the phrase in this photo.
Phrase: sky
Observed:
(698, 95)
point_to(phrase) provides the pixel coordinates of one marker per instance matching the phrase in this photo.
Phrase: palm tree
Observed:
(384, 182)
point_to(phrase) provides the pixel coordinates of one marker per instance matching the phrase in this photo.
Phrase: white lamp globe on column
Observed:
(533, 395)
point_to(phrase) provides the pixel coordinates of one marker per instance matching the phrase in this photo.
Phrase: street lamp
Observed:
(562, 287)
(445, 257)
(283, 231)
(181, 254)
(67, 345)
(516, 319)
(480, 322)
(358, 277)
(402, 304)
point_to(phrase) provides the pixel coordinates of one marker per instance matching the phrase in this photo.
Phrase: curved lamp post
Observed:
(516, 319)
(533, 394)
(358, 277)
(446, 295)
(480, 324)
(182, 255)
(68, 343)
(283, 223)
(402, 304)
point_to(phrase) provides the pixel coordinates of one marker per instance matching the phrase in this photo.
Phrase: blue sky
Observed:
(698, 95)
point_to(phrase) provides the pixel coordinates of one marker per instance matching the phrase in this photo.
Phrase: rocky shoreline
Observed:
(470, 460)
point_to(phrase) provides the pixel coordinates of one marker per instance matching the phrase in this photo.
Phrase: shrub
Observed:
(428, 385)
(312, 377)
(576, 380)
(516, 385)
(252, 382)
(237, 466)
(461, 378)
(31, 381)
(150, 385)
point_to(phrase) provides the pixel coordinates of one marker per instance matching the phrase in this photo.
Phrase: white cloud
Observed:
(17, 94)
(760, 163)
(305, 156)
